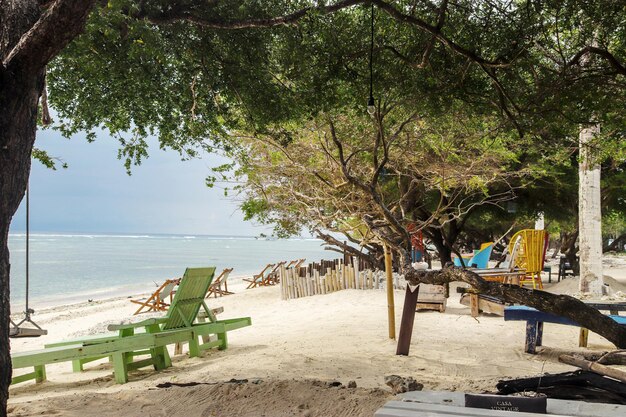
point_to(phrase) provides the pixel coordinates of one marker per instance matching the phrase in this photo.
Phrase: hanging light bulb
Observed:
(371, 104)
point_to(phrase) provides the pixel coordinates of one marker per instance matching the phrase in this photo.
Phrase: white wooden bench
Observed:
(449, 404)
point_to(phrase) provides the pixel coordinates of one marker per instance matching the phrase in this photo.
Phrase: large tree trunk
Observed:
(437, 238)
(29, 38)
(17, 136)
(589, 215)
(569, 248)
(19, 93)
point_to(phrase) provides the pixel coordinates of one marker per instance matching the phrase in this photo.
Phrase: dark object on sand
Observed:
(577, 385)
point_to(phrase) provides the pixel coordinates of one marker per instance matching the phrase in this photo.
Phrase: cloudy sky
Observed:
(94, 194)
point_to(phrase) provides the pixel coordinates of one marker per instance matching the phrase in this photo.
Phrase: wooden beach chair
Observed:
(508, 274)
(259, 278)
(479, 260)
(296, 263)
(149, 337)
(274, 277)
(158, 301)
(219, 286)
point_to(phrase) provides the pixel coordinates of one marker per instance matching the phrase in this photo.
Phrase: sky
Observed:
(95, 194)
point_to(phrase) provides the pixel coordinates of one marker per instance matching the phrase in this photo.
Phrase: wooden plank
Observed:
(474, 305)
(485, 304)
(430, 306)
(594, 367)
(408, 318)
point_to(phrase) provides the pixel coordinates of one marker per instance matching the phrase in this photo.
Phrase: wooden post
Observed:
(391, 311)
(474, 310)
(408, 317)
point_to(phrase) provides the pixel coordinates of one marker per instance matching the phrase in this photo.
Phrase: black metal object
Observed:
(577, 385)
(567, 267)
(371, 104)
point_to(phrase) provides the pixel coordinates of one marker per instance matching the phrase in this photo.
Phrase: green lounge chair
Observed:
(176, 327)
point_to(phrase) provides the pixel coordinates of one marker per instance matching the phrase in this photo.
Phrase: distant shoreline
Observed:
(101, 295)
(22, 233)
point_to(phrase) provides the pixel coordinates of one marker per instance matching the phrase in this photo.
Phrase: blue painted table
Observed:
(534, 322)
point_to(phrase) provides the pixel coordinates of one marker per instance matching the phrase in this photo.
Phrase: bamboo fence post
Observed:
(316, 282)
(352, 277)
(390, 301)
(292, 284)
(349, 274)
(316, 276)
(283, 277)
(329, 279)
(282, 284)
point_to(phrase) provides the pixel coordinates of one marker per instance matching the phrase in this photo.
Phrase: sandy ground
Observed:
(285, 360)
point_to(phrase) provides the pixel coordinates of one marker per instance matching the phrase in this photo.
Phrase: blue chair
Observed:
(479, 260)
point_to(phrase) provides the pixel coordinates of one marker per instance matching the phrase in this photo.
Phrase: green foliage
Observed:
(47, 160)
(613, 224)
(495, 100)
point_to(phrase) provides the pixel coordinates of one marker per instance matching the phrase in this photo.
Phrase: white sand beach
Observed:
(290, 353)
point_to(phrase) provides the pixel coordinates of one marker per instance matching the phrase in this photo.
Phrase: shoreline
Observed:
(100, 295)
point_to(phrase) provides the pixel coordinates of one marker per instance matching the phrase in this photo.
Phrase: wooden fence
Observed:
(330, 276)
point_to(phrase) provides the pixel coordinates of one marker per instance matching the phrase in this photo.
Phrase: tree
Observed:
(191, 72)
(346, 174)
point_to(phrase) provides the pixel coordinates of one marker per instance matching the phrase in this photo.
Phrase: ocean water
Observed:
(78, 267)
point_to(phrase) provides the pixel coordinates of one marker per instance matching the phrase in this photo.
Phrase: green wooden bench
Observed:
(152, 337)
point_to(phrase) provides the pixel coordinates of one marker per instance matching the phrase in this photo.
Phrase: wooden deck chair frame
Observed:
(273, 276)
(257, 279)
(156, 302)
(216, 289)
(507, 275)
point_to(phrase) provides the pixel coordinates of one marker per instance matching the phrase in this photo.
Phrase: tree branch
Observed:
(58, 25)
(183, 14)
(601, 52)
(436, 32)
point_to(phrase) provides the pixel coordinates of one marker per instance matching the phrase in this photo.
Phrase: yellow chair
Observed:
(531, 254)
